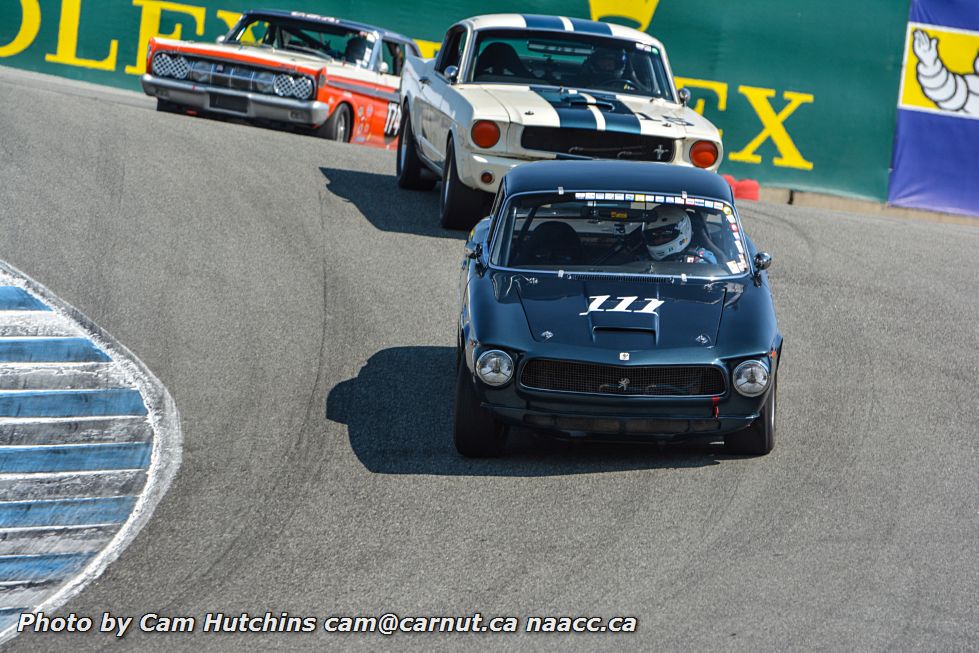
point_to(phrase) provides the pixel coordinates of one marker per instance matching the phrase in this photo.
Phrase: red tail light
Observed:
(485, 133)
(703, 154)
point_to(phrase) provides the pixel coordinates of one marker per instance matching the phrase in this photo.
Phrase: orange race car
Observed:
(335, 78)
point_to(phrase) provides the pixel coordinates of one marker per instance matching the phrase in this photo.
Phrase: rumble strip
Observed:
(89, 443)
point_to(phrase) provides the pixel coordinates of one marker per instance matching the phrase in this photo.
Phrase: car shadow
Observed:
(386, 206)
(398, 412)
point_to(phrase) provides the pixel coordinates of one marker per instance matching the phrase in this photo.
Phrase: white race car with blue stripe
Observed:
(510, 88)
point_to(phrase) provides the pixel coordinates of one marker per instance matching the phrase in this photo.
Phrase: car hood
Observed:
(547, 106)
(261, 56)
(661, 315)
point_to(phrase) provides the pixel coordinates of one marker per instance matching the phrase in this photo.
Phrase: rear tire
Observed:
(461, 207)
(759, 438)
(338, 126)
(477, 433)
(412, 173)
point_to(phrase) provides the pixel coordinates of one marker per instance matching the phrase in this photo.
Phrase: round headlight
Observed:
(494, 367)
(751, 378)
(264, 82)
(283, 85)
(302, 88)
(703, 154)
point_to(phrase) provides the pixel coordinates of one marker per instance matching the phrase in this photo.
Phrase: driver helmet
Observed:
(608, 62)
(356, 51)
(668, 232)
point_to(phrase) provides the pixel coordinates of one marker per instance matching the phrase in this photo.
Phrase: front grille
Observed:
(234, 76)
(598, 144)
(648, 381)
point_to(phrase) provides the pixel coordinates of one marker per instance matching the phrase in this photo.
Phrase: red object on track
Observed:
(744, 189)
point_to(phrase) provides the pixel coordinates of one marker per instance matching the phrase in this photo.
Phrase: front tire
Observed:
(461, 207)
(412, 173)
(477, 433)
(759, 438)
(338, 126)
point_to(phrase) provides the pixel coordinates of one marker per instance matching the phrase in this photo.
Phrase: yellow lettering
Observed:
(229, 17)
(717, 88)
(428, 48)
(67, 52)
(149, 26)
(29, 27)
(774, 128)
(639, 11)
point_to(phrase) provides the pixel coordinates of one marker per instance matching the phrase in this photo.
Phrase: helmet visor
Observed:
(662, 235)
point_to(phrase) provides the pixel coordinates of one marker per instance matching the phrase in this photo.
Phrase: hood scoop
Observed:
(629, 338)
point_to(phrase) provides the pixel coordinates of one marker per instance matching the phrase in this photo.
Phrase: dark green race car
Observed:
(615, 300)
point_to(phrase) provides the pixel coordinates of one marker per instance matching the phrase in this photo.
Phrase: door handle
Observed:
(423, 80)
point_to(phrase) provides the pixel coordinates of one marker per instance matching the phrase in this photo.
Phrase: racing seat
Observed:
(497, 59)
(552, 243)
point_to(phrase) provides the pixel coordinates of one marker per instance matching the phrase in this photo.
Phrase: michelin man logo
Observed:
(949, 91)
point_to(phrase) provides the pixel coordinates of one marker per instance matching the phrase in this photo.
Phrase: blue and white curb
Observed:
(89, 443)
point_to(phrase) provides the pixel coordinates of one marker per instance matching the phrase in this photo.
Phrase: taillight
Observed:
(703, 154)
(485, 133)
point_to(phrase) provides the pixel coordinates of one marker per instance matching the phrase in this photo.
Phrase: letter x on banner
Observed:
(936, 145)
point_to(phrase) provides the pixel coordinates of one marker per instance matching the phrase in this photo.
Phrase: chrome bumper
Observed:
(251, 105)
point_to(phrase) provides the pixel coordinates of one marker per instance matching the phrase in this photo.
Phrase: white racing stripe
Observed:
(596, 112)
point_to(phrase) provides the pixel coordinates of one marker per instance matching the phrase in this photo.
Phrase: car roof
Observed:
(606, 175)
(315, 18)
(559, 24)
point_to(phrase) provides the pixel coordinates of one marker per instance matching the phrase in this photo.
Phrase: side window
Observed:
(451, 52)
(393, 54)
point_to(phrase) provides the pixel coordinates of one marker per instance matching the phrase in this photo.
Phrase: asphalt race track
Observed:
(300, 309)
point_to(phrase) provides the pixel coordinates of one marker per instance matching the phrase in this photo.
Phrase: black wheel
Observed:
(477, 434)
(166, 106)
(412, 173)
(759, 438)
(461, 206)
(337, 127)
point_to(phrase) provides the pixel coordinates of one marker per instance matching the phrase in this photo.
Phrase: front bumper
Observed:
(251, 105)
(473, 164)
(678, 426)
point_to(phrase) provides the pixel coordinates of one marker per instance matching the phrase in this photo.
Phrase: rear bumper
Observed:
(252, 105)
(657, 427)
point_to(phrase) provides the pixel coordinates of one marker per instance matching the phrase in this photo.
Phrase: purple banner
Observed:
(936, 144)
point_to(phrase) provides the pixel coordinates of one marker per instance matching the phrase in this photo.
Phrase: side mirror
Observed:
(383, 68)
(684, 95)
(221, 38)
(762, 261)
(451, 73)
(473, 250)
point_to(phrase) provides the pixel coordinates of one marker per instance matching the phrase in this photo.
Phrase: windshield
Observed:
(316, 38)
(570, 59)
(620, 233)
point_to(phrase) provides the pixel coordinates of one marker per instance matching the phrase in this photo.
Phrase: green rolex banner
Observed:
(803, 92)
